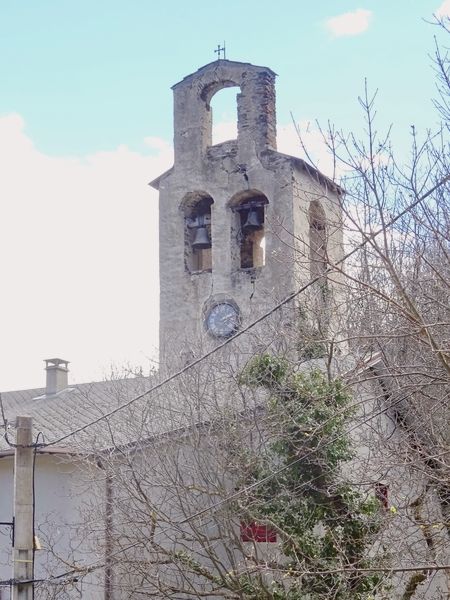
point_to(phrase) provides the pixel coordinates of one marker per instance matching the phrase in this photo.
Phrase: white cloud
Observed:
(224, 131)
(79, 248)
(444, 10)
(350, 23)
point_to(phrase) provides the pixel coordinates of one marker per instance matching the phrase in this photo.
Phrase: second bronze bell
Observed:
(253, 221)
(201, 239)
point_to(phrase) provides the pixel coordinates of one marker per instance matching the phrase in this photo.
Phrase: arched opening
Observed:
(249, 226)
(224, 117)
(197, 232)
(317, 240)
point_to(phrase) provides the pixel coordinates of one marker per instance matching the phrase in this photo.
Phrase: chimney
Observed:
(57, 380)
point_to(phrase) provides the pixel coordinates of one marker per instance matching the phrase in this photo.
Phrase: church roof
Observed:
(301, 164)
(294, 160)
(73, 408)
(101, 416)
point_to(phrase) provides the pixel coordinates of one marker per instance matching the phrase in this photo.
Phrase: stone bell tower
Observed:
(241, 225)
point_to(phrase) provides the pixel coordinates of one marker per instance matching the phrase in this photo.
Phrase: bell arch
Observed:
(256, 123)
(223, 118)
(196, 209)
(249, 229)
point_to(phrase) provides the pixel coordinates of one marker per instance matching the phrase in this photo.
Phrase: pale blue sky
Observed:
(90, 75)
(86, 122)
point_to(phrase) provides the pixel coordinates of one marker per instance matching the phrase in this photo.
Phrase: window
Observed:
(197, 240)
(382, 494)
(255, 532)
(317, 239)
(250, 226)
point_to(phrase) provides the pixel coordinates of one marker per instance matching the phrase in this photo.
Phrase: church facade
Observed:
(243, 229)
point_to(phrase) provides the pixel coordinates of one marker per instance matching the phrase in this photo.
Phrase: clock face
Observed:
(223, 320)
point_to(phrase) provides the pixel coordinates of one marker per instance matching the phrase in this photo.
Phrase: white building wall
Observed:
(61, 492)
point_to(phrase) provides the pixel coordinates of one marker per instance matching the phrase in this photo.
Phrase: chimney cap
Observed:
(56, 362)
(56, 375)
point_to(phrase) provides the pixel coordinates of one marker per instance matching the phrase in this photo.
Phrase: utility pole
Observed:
(23, 511)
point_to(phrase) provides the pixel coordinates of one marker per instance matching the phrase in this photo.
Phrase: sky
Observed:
(86, 123)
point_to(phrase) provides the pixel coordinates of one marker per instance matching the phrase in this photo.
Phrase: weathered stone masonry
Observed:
(216, 188)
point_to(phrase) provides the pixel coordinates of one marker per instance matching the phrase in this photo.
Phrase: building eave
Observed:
(301, 164)
(155, 182)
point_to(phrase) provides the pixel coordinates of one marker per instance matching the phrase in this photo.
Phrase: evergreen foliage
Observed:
(326, 526)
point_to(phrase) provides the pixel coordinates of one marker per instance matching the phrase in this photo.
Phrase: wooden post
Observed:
(23, 510)
(109, 542)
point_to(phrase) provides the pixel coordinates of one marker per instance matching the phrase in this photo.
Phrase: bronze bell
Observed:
(201, 240)
(253, 221)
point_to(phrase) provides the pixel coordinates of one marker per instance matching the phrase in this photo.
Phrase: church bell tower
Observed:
(241, 225)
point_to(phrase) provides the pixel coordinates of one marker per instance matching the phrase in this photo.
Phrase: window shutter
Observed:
(255, 532)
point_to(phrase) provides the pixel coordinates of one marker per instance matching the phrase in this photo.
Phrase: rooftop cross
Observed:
(220, 50)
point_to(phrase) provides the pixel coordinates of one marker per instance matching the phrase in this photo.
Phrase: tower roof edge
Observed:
(155, 182)
(302, 164)
(221, 62)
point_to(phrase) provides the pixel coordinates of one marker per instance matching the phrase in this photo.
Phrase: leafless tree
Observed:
(181, 474)
(396, 289)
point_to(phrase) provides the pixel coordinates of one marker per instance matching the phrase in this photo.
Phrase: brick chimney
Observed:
(57, 375)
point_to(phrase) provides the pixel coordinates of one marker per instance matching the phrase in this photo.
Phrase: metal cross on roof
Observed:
(220, 50)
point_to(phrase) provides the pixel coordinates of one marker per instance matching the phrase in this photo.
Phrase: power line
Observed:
(288, 466)
(367, 238)
(212, 507)
(82, 571)
(275, 308)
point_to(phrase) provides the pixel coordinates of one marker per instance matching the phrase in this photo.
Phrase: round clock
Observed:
(223, 320)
